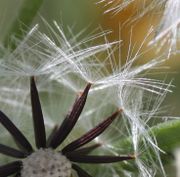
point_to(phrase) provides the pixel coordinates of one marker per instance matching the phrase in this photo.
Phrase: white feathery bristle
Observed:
(130, 74)
(37, 54)
(140, 108)
(142, 8)
(177, 162)
(169, 28)
(115, 6)
(46, 163)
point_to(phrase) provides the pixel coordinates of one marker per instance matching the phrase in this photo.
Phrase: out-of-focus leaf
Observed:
(168, 139)
(23, 21)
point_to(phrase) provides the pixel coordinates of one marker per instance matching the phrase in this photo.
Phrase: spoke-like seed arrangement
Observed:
(45, 161)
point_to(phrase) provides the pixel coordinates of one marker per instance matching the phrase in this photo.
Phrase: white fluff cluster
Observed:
(62, 67)
(168, 29)
(46, 163)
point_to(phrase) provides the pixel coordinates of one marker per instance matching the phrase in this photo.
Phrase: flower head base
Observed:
(45, 161)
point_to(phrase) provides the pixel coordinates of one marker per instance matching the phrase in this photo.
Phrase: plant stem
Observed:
(23, 21)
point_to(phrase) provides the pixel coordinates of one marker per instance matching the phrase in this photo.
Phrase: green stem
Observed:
(23, 21)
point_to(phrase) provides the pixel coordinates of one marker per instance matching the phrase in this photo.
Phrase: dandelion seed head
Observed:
(64, 68)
